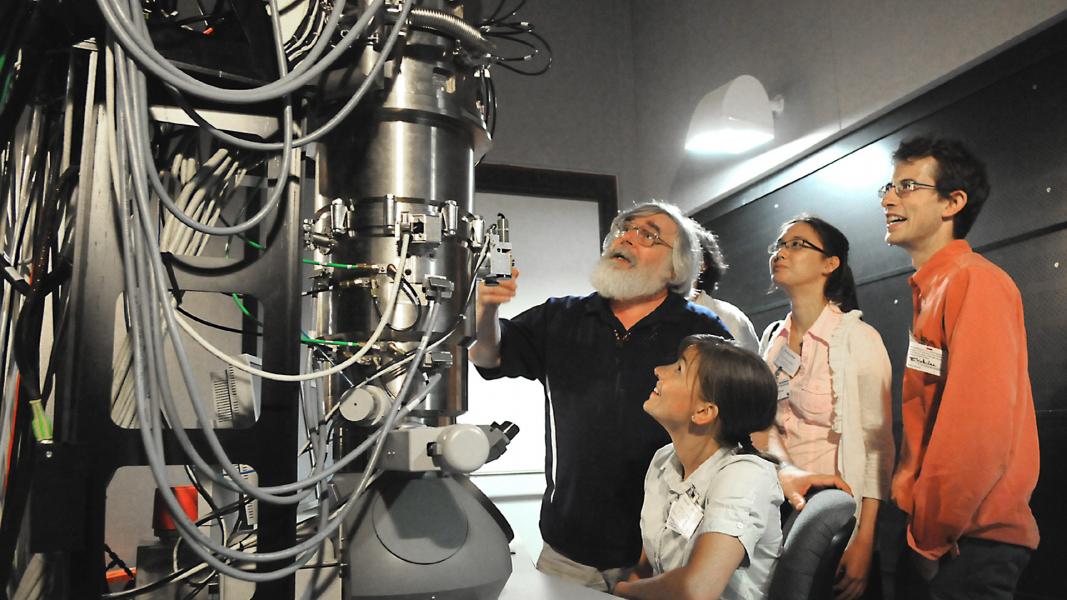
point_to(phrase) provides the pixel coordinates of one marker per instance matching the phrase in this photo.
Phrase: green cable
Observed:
(338, 265)
(308, 340)
(304, 339)
(5, 92)
(241, 305)
(42, 427)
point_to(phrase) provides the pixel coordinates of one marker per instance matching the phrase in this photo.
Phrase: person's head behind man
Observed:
(712, 265)
(651, 248)
(938, 189)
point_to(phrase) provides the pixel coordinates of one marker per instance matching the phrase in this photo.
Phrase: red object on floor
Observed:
(118, 576)
(162, 519)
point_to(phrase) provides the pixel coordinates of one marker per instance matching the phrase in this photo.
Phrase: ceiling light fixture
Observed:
(733, 118)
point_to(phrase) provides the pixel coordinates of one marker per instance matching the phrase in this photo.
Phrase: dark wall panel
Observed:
(1017, 122)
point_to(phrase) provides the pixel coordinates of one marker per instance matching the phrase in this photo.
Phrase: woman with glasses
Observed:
(833, 374)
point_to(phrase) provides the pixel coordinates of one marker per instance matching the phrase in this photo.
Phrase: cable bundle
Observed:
(504, 28)
(37, 186)
(194, 193)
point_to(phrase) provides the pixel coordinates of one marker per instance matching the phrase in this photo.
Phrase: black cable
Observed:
(116, 561)
(413, 296)
(162, 581)
(204, 321)
(524, 57)
(180, 140)
(31, 313)
(209, 20)
(191, 473)
(297, 53)
(197, 588)
(215, 514)
(304, 28)
(513, 37)
(50, 371)
(16, 495)
(9, 327)
(31, 45)
(225, 510)
(491, 86)
(494, 18)
(522, 72)
(28, 327)
(63, 258)
(24, 220)
(22, 460)
(244, 208)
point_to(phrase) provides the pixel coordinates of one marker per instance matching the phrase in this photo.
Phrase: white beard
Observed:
(617, 283)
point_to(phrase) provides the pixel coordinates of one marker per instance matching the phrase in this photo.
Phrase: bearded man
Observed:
(594, 356)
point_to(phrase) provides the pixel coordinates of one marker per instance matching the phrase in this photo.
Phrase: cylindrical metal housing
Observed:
(404, 165)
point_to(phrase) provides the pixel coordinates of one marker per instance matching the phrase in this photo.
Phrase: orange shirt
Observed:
(969, 459)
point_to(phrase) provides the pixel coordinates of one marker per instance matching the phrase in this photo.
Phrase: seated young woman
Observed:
(710, 521)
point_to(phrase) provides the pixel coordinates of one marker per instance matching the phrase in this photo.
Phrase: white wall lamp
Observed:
(733, 118)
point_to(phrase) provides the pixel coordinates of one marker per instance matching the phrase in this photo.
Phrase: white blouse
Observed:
(735, 494)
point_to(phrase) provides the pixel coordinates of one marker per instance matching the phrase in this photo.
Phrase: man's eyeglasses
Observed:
(904, 187)
(645, 236)
(793, 244)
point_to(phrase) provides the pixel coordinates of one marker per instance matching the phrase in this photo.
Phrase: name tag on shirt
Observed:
(783, 389)
(788, 361)
(684, 517)
(926, 359)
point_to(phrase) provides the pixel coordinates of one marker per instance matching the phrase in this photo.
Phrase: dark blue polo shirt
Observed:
(599, 440)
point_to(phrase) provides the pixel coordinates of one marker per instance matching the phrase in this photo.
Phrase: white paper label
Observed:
(783, 389)
(926, 359)
(788, 361)
(684, 516)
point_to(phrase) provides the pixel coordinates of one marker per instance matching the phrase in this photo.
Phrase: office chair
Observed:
(814, 540)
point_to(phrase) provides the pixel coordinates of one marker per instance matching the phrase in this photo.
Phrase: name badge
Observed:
(684, 517)
(783, 389)
(788, 361)
(926, 359)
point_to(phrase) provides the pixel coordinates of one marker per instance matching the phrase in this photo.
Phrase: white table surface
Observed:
(527, 583)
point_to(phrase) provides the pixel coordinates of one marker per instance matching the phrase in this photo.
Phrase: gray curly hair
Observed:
(686, 252)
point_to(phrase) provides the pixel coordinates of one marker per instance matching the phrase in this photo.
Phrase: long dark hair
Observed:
(840, 286)
(740, 384)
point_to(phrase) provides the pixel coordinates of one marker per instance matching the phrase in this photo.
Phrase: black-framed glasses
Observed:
(645, 236)
(793, 244)
(906, 186)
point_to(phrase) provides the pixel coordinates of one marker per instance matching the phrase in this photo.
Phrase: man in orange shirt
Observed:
(969, 459)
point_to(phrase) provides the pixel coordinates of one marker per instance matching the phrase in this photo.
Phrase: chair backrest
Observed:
(814, 539)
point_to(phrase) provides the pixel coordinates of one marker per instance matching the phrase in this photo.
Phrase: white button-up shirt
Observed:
(739, 495)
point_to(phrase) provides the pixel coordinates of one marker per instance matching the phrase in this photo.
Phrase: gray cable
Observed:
(132, 36)
(326, 128)
(154, 443)
(138, 141)
(147, 223)
(147, 293)
(154, 457)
